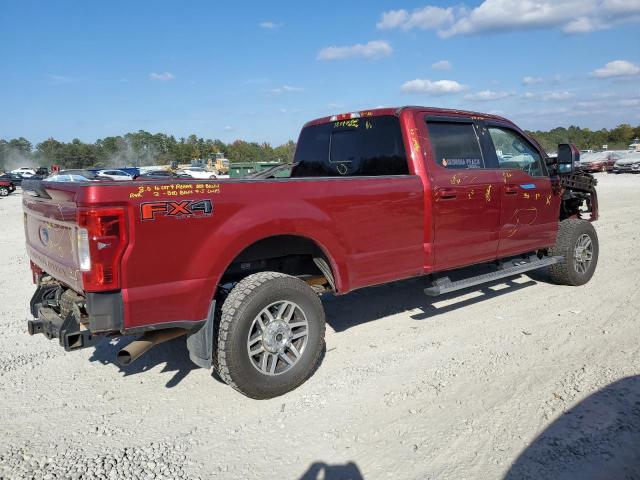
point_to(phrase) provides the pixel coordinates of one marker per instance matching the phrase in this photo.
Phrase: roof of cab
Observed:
(374, 112)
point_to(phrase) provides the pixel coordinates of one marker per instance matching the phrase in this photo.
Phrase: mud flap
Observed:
(200, 342)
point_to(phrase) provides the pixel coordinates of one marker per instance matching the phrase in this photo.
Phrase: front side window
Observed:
(455, 145)
(369, 146)
(515, 152)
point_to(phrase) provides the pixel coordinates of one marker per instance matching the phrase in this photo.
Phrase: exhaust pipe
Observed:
(139, 347)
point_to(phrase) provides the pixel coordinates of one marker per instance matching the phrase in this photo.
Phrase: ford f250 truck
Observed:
(238, 265)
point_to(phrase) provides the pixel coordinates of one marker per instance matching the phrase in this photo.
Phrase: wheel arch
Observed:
(283, 245)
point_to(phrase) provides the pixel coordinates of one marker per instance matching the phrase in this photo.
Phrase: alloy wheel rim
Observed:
(583, 254)
(277, 337)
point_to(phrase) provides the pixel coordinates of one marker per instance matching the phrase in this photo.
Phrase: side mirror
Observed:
(568, 158)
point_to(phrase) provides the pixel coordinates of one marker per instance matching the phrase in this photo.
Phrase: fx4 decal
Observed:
(176, 209)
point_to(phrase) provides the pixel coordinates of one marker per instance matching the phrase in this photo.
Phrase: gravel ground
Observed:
(522, 379)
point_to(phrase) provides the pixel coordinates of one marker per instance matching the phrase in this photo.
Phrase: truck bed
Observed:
(175, 255)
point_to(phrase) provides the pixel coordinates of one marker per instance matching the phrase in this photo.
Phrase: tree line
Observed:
(135, 149)
(143, 148)
(617, 138)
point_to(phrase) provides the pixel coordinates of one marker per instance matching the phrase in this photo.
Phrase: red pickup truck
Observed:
(238, 265)
(6, 187)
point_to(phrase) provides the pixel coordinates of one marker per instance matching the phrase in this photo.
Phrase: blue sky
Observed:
(259, 70)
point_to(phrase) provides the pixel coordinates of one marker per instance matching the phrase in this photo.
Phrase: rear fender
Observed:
(252, 224)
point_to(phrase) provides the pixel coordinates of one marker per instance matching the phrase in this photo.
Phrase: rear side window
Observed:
(455, 145)
(369, 146)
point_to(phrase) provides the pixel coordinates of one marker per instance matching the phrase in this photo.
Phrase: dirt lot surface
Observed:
(522, 379)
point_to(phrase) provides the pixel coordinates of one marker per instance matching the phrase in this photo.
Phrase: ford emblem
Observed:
(44, 235)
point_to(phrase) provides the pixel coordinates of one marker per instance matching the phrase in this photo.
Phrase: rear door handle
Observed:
(447, 193)
(510, 190)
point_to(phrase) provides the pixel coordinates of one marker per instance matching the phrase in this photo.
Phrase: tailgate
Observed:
(50, 224)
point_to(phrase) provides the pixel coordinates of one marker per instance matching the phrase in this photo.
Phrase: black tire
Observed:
(239, 311)
(4, 191)
(569, 272)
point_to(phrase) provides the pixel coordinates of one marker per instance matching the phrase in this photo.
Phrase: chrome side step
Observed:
(506, 269)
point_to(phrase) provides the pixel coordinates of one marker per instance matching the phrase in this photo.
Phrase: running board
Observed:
(505, 269)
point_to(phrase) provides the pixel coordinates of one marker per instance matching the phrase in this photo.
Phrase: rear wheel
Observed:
(270, 335)
(4, 191)
(577, 242)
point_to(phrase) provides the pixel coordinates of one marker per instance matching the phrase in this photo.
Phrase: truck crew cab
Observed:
(237, 265)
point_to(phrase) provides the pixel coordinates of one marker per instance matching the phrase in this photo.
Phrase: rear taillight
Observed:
(101, 241)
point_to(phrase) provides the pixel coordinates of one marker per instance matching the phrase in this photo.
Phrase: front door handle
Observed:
(510, 190)
(447, 193)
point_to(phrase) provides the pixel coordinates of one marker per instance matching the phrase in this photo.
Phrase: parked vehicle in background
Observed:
(12, 177)
(118, 175)
(197, 172)
(629, 163)
(238, 265)
(222, 166)
(6, 187)
(150, 174)
(599, 161)
(26, 172)
(73, 176)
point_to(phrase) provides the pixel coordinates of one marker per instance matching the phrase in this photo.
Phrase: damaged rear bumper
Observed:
(68, 332)
(76, 320)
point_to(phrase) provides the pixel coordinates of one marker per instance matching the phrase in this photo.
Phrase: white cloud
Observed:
(570, 16)
(588, 104)
(61, 79)
(371, 50)
(427, 18)
(437, 87)
(269, 25)
(442, 65)
(617, 68)
(557, 96)
(228, 128)
(486, 95)
(582, 25)
(604, 94)
(162, 77)
(393, 19)
(285, 89)
(528, 80)
(528, 95)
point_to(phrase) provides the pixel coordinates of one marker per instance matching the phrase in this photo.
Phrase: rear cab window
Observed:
(369, 146)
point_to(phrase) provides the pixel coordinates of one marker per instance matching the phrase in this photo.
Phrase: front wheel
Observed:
(270, 335)
(4, 191)
(577, 242)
